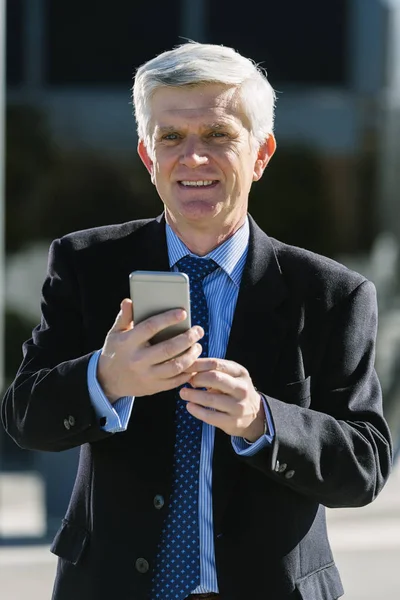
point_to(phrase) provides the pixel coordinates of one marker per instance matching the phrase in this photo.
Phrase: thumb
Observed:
(123, 322)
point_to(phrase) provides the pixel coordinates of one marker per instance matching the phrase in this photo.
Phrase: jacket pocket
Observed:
(70, 542)
(324, 584)
(298, 392)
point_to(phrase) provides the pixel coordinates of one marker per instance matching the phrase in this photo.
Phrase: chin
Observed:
(198, 210)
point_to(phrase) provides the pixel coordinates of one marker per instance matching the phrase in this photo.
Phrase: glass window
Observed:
(14, 42)
(101, 42)
(297, 42)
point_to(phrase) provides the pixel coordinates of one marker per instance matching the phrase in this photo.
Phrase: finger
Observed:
(147, 329)
(211, 417)
(217, 380)
(169, 349)
(178, 364)
(219, 364)
(171, 384)
(123, 321)
(219, 402)
(175, 382)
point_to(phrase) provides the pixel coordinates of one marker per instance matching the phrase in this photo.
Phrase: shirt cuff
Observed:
(244, 448)
(113, 418)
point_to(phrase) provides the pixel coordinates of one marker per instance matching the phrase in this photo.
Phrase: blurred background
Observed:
(69, 161)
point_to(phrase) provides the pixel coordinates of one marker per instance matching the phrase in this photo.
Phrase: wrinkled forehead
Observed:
(205, 104)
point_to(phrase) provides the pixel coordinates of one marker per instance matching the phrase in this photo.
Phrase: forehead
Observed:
(192, 104)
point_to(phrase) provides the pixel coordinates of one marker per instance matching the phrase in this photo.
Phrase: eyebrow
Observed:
(218, 125)
(215, 125)
(165, 129)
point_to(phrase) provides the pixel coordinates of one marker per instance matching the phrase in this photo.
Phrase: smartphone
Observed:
(154, 292)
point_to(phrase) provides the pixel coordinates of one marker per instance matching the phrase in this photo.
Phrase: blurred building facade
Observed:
(77, 59)
(327, 60)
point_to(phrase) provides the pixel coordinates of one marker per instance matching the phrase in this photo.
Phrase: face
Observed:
(203, 159)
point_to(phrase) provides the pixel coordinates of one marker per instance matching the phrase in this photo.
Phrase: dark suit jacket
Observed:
(305, 329)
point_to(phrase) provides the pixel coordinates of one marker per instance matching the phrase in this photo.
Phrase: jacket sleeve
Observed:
(48, 406)
(335, 446)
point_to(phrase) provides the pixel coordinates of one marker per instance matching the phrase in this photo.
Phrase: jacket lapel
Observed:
(256, 339)
(146, 250)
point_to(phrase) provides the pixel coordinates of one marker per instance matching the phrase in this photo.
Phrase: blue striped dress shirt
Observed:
(221, 289)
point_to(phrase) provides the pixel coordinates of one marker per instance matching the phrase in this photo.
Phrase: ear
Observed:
(264, 155)
(144, 155)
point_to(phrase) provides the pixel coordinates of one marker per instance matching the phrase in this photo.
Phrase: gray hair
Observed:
(196, 64)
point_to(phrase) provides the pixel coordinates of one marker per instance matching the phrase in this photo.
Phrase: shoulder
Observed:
(79, 240)
(108, 244)
(108, 239)
(317, 277)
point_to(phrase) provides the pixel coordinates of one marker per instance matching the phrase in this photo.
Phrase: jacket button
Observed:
(158, 501)
(67, 424)
(289, 474)
(71, 420)
(142, 565)
(282, 468)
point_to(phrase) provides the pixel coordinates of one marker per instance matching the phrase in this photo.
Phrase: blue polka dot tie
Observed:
(177, 565)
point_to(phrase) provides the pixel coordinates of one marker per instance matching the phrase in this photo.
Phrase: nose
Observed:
(193, 155)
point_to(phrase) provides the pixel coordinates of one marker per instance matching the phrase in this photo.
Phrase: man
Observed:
(216, 488)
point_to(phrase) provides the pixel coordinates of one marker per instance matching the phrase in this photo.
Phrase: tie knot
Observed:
(196, 268)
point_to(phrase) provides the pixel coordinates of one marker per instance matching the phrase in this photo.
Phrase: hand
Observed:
(238, 409)
(130, 366)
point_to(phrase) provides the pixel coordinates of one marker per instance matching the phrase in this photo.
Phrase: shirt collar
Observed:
(230, 255)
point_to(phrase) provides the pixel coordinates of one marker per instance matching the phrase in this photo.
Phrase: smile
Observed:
(200, 183)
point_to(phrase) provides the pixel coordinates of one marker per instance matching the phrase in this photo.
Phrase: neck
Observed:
(201, 242)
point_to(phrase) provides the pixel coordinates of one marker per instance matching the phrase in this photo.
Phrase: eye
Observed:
(170, 136)
(217, 134)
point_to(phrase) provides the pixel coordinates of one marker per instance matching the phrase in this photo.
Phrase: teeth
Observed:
(197, 183)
